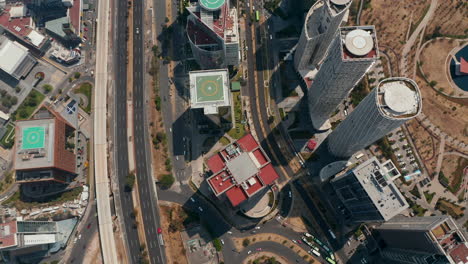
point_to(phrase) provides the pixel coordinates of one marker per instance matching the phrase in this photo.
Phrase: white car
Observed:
(137, 30)
(191, 199)
(257, 227)
(248, 252)
(199, 208)
(222, 241)
(229, 232)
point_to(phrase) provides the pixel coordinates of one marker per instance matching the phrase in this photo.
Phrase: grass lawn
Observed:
(29, 104)
(238, 130)
(429, 196)
(225, 141)
(86, 90)
(8, 140)
(452, 209)
(7, 181)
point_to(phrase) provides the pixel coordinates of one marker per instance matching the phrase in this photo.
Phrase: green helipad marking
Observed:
(210, 88)
(33, 137)
(212, 4)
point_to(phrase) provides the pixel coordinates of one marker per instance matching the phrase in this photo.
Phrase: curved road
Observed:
(220, 227)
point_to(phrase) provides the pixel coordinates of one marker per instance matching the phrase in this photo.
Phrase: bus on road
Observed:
(257, 16)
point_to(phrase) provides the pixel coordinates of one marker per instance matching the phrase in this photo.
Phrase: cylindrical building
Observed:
(350, 56)
(212, 31)
(388, 106)
(321, 23)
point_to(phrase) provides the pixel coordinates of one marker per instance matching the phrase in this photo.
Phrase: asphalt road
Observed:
(255, 63)
(90, 228)
(146, 190)
(121, 143)
(220, 228)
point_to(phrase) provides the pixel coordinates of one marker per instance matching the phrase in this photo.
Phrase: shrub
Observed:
(245, 242)
(167, 180)
(47, 88)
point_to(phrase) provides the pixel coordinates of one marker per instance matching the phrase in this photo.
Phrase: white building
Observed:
(209, 90)
(212, 30)
(368, 191)
(15, 58)
(393, 102)
(350, 56)
(321, 23)
(21, 234)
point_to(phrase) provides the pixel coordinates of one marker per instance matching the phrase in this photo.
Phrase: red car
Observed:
(159, 230)
(85, 29)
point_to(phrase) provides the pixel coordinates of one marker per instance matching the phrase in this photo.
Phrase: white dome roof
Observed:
(359, 42)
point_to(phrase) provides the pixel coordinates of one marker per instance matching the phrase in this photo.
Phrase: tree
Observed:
(47, 88)
(17, 89)
(77, 75)
(246, 242)
(217, 244)
(129, 182)
(23, 113)
(166, 181)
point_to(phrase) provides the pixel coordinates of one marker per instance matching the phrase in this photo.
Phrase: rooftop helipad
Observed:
(209, 90)
(212, 4)
(33, 138)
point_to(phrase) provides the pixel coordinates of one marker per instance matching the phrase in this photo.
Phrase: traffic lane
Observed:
(318, 218)
(193, 202)
(88, 230)
(262, 111)
(148, 205)
(272, 247)
(121, 134)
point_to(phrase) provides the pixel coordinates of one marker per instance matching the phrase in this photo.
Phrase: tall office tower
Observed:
(321, 24)
(213, 35)
(423, 240)
(368, 191)
(393, 102)
(351, 54)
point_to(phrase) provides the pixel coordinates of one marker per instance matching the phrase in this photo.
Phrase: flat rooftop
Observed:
(376, 180)
(34, 144)
(359, 43)
(12, 54)
(212, 4)
(240, 170)
(209, 90)
(399, 98)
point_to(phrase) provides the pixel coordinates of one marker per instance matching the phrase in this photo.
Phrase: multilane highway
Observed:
(146, 189)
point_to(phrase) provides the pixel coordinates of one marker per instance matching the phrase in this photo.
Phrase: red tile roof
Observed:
(8, 234)
(236, 195)
(255, 187)
(459, 254)
(247, 143)
(463, 66)
(221, 182)
(17, 26)
(240, 192)
(198, 35)
(74, 14)
(268, 174)
(215, 163)
(260, 157)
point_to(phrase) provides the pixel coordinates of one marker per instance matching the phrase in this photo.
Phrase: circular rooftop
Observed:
(212, 5)
(359, 42)
(400, 98)
(340, 2)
